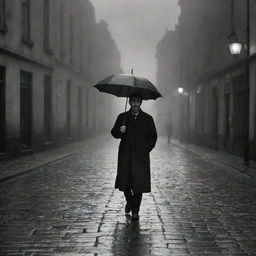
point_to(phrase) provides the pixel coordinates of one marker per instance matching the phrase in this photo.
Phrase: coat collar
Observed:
(136, 121)
(135, 115)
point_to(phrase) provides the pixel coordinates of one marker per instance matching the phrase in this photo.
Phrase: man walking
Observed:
(169, 131)
(138, 137)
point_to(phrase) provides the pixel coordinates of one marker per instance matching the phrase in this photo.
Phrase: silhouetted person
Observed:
(169, 131)
(138, 137)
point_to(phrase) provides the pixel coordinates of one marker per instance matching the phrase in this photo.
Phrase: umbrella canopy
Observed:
(122, 85)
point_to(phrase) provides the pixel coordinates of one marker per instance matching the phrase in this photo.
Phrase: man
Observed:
(138, 137)
(169, 131)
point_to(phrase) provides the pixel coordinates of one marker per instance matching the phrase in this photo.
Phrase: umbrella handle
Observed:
(125, 110)
(127, 101)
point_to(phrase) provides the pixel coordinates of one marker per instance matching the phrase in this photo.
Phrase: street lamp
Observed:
(180, 93)
(235, 48)
(180, 90)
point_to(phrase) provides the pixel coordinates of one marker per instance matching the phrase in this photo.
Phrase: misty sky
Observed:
(137, 26)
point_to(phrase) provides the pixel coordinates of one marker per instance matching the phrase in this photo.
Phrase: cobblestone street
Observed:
(70, 207)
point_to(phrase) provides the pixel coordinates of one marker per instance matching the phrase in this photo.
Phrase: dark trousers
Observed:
(133, 199)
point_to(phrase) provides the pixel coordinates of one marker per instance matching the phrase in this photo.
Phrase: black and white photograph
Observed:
(127, 127)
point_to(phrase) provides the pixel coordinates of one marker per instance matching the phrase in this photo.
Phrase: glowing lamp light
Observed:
(235, 48)
(180, 90)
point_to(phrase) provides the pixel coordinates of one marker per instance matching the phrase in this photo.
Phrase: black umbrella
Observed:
(122, 85)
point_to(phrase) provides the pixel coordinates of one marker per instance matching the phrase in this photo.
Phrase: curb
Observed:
(29, 170)
(242, 169)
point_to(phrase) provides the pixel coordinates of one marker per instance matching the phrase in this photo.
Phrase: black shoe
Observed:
(135, 216)
(128, 208)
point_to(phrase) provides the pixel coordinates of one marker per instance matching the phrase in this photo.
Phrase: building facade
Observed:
(46, 93)
(214, 107)
(106, 61)
(168, 63)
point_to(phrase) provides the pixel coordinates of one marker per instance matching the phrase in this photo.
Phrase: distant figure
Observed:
(138, 137)
(169, 131)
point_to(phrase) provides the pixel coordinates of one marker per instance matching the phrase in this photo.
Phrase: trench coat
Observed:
(133, 168)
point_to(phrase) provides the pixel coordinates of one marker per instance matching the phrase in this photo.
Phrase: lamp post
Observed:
(180, 92)
(235, 48)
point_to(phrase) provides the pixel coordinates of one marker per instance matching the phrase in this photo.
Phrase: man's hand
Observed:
(123, 129)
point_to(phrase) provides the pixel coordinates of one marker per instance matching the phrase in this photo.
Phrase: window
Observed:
(81, 45)
(62, 47)
(2, 16)
(26, 21)
(71, 39)
(232, 15)
(46, 26)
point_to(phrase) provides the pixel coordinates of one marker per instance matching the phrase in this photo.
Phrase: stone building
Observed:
(106, 61)
(167, 55)
(214, 106)
(46, 49)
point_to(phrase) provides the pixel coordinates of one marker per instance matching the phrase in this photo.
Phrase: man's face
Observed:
(135, 103)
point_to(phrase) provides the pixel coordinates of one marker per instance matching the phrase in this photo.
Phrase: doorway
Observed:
(215, 118)
(48, 107)
(26, 110)
(2, 110)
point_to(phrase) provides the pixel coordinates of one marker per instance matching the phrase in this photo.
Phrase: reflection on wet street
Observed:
(131, 239)
(70, 207)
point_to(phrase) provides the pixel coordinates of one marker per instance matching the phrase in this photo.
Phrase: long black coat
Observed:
(133, 155)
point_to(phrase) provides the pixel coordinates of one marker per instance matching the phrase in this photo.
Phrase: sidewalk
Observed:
(12, 168)
(221, 157)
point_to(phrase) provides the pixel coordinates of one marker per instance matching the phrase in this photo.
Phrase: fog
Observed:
(137, 26)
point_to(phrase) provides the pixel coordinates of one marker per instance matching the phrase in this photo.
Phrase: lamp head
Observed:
(235, 46)
(180, 90)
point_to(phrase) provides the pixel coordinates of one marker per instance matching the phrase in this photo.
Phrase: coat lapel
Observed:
(135, 122)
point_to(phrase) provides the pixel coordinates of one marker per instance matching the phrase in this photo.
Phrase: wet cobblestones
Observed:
(69, 207)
